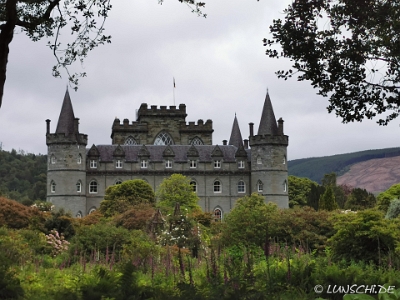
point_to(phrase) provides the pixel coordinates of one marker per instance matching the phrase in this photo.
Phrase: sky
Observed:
(219, 65)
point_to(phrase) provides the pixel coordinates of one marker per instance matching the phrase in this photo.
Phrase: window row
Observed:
(168, 164)
(53, 159)
(217, 186)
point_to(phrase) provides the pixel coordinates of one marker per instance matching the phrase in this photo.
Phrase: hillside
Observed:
(375, 175)
(315, 167)
(22, 176)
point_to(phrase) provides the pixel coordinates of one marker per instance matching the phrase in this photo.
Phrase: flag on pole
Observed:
(174, 81)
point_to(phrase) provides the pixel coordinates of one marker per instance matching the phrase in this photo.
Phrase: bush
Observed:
(393, 210)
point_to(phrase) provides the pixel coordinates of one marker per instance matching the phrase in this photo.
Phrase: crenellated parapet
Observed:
(199, 127)
(256, 140)
(131, 127)
(155, 112)
(62, 138)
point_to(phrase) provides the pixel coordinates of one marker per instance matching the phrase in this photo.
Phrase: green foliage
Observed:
(360, 199)
(23, 176)
(250, 222)
(387, 196)
(62, 222)
(394, 209)
(327, 200)
(299, 190)
(99, 238)
(120, 197)
(340, 47)
(364, 236)
(177, 189)
(315, 168)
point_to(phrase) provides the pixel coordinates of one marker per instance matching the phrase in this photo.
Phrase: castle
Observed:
(160, 143)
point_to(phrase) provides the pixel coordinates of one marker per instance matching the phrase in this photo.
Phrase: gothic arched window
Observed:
(78, 187)
(197, 141)
(130, 141)
(259, 186)
(163, 138)
(241, 186)
(93, 187)
(285, 186)
(193, 183)
(53, 186)
(92, 210)
(78, 214)
(217, 186)
(217, 214)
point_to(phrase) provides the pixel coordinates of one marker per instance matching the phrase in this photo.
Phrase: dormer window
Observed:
(143, 164)
(217, 164)
(193, 164)
(118, 164)
(168, 164)
(241, 164)
(93, 164)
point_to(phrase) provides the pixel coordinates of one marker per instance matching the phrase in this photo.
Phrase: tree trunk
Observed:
(6, 36)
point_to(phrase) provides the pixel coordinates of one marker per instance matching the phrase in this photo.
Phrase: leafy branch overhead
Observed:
(348, 49)
(47, 18)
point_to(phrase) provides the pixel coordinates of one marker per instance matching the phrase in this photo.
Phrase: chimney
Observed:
(246, 144)
(48, 126)
(251, 125)
(280, 126)
(76, 125)
(224, 142)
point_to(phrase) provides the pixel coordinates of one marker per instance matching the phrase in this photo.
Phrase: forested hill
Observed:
(23, 176)
(314, 168)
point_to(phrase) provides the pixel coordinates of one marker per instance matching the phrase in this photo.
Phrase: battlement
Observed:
(61, 138)
(199, 127)
(255, 140)
(126, 126)
(163, 111)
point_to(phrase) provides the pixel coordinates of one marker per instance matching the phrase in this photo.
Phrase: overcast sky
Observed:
(220, 69)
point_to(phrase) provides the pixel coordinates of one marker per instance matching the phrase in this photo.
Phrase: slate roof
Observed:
(66, 119)
(180, 151)
(236, 136)
(268, 124)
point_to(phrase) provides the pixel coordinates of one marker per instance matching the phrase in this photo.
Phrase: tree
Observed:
(121, 197)
(327, 200)
(348, 49)
(177, 189)
(299, 190)
(47, 18)
(387, 196)
(250, 222)
(360, 199)
(393, 210)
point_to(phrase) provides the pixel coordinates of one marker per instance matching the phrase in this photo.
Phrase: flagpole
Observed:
(173, 90)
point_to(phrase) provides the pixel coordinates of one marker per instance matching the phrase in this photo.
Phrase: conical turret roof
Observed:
(67, 118)
(236, 136)
(268, 122)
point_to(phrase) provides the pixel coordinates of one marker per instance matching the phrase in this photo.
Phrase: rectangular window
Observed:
(93, 164)
(168, 164)
(118, 164)
(217, 164)
(193, 164)
(143, 164)
(241, 164)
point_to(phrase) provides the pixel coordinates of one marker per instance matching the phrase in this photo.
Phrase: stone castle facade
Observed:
(160, 143)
